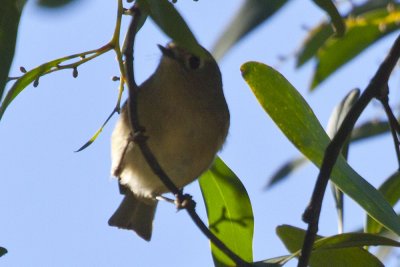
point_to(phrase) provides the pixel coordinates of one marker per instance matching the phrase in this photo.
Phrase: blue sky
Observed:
(55, 203)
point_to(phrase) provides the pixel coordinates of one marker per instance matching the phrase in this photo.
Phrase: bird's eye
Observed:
(194, 62)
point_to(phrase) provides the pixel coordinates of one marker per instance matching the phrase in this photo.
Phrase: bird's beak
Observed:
(167, 51)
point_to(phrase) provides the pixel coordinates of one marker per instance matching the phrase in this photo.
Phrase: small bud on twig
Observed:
(75, 72)
(22, 69)
(115, 78)
(36, 82)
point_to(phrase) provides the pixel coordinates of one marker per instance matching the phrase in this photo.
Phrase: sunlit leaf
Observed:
(164, 14)
(321, 33)
(340, 250)
(390, 189)
(27, 79)
(229, 211)
(10, 12)
(362, 32)
(294, 117)
(97, 133)
(336, 19)
(251, 14)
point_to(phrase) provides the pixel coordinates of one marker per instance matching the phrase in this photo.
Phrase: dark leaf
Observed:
(10, 13)
(250, 16)
(336, 19)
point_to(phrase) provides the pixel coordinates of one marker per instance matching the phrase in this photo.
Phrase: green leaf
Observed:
(321, 33)
(97, 133)
(366, 130)
(337, 21)
(340, 250)
(274, 262)
(294, 117)
(251, 14)
(369, 129)
(25, 80)
(285, 170)
(362, 32)
(34, 75)
(390, 189)
(10, 13)
(229, 211)
(334, 123)
(314, 41)
(3, 251)
(164, 14)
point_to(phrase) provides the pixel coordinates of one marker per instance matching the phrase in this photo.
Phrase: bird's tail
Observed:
(135, 214)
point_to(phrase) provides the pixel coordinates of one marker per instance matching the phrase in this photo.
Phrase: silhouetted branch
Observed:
(377, 88)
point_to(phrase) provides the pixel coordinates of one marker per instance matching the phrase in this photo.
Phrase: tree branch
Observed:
(140, 140)
(377, 88)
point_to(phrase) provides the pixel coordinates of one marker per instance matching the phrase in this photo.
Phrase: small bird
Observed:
(186, 119)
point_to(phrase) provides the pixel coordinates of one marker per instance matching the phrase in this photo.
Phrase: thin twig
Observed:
(375, 89)
(394, 127)
(137, 129)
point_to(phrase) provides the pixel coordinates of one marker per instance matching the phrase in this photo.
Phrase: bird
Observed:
(185, 118)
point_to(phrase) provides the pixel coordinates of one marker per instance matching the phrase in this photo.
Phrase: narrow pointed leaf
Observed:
(336, 19)
(251, 14)
(340, 252)
(285, 170)
(340, 112)
(10, 13)
(94, 137)
(390, 189)
(369, 129)
(229, 211)
(25, 80)
(334, 123)
(164, 14)
(294, 117)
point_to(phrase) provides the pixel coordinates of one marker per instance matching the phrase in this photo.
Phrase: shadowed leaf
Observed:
(164, 14)
(251, 14)
(285, 170)
(3, 251)
(336, 20)
(10, 13)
